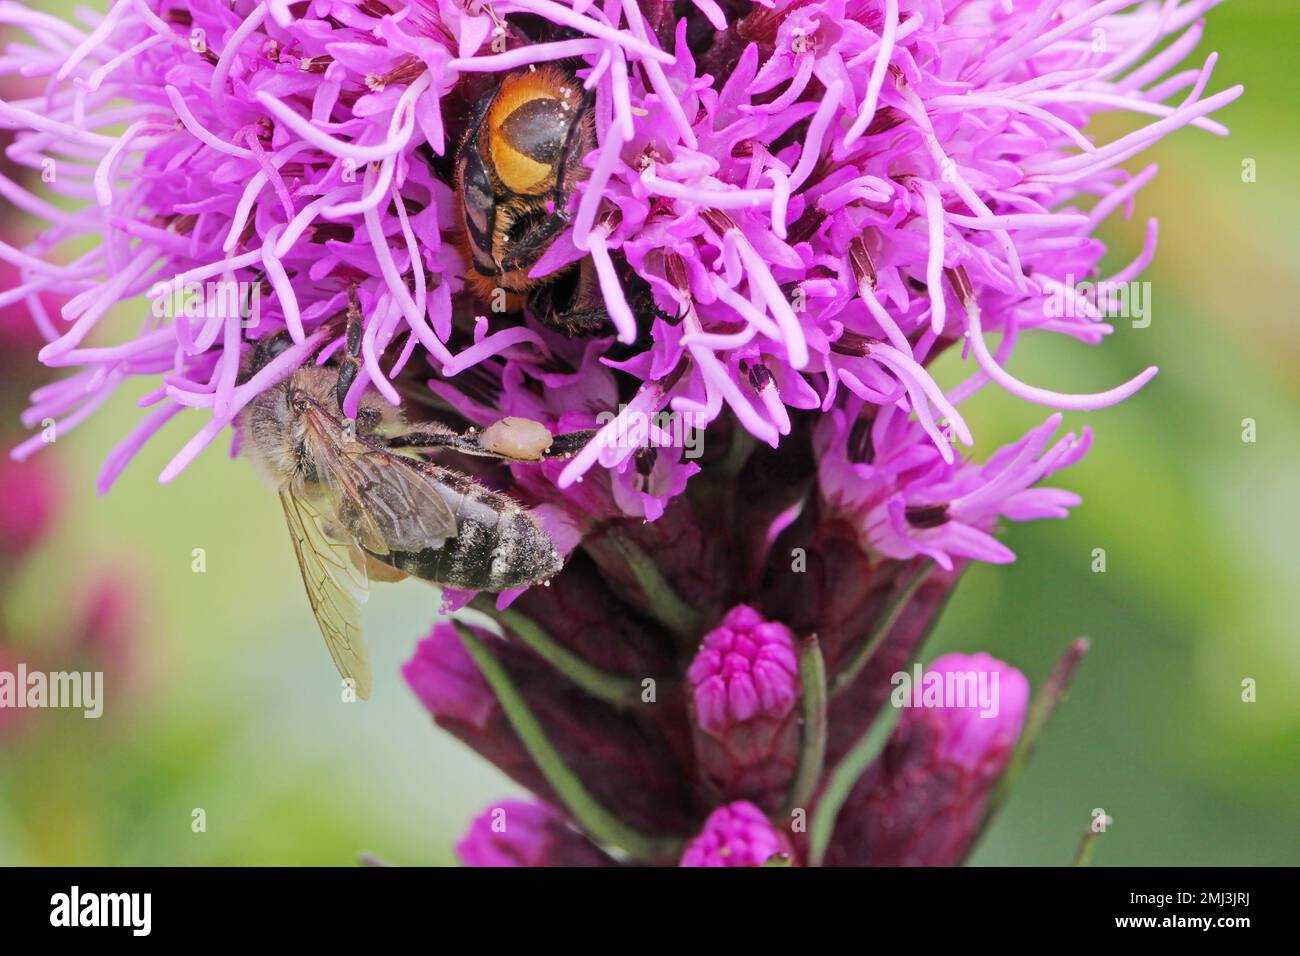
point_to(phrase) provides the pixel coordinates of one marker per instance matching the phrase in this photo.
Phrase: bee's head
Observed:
(262, 353)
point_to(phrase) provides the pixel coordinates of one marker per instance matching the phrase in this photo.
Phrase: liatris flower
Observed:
(786, 211)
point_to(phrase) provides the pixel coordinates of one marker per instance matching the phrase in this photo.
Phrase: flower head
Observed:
(29, 500)
(819, 198)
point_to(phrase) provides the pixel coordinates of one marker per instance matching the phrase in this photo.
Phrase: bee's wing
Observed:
(334, 573)
(382, 499)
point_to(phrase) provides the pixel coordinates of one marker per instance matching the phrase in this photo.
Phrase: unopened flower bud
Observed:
(518, 833)
(744, 687)
(921, 802)
(737, 834)
(445, 679)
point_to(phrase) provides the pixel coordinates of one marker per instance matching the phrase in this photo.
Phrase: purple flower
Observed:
(790, 210)
(824, 197)
(907, 501)
(737, 834)
(515, 833)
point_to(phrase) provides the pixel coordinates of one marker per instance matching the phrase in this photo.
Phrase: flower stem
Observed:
(1083, 855)
(842, 779)
(615, 690)
(1041, 709)
(812, 752)
(601, 825)
(847, 674)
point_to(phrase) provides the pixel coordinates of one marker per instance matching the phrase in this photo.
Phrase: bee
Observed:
(515, 171)
(359, 507)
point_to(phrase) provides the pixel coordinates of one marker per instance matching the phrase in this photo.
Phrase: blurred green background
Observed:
(232, 708)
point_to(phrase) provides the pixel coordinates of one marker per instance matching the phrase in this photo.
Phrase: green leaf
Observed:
(812, 751)
(611, 688)
(842, 779)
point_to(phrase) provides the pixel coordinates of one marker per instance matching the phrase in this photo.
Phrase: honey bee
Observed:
(515, 173)
(360, 507)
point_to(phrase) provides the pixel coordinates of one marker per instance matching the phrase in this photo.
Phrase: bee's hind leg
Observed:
(510, 439)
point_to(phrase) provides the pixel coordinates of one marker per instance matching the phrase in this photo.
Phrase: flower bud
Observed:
(744, 684)
(921, 802)
(735, 835)
(518, 833)
(445, 679)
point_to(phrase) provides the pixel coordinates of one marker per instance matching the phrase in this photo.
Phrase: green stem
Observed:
(615, 690)
(1083, 855)
(1041, 709)
(847, 674)
(662, 602)
(840, 783)
(601, 825)
(812, 752)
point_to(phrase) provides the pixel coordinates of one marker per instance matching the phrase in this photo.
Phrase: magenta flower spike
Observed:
(772, 218)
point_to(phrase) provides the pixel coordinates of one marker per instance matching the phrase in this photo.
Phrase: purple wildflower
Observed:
(819, 198)
(785, 188)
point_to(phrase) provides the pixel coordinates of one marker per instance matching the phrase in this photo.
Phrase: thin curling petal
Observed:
(1044, 396)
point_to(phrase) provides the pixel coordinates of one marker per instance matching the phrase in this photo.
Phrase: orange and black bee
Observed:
(515, 174)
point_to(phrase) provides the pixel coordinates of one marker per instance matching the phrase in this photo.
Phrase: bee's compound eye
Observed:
(519, 438)
(479, 202)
